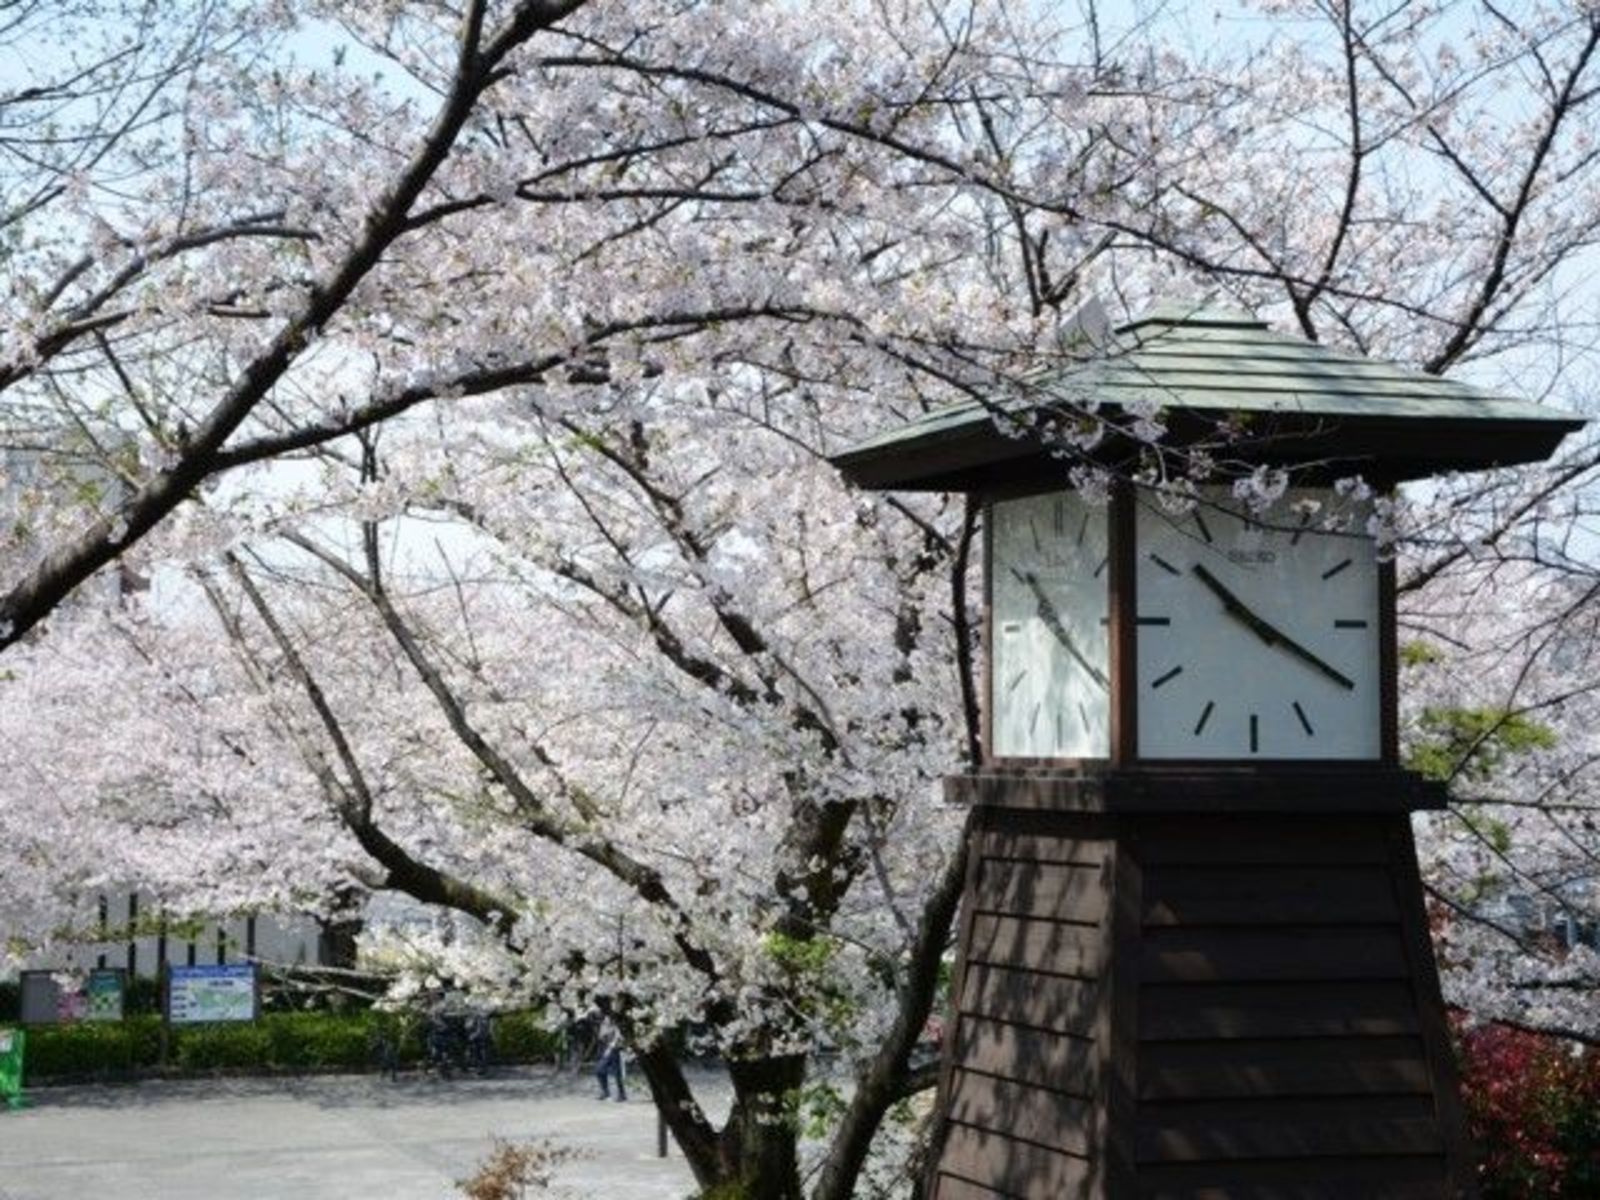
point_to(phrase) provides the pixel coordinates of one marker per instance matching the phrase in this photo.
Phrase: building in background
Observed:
(140, 940)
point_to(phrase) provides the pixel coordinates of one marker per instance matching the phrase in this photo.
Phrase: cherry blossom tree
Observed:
(465, 401)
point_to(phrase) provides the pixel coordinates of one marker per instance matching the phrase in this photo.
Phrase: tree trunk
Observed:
(759, 1147)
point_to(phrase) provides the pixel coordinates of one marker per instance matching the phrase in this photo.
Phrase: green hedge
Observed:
(306, 1041)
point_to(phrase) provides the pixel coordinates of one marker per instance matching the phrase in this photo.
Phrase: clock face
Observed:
(1049, 677)
(1257, 637)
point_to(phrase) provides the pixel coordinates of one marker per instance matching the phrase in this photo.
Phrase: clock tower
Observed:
(1193, 956)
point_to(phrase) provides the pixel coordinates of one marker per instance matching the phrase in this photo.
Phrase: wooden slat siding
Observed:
(1224, 841)
(1460, 1155)
(1041, 945)
(1218, 954)
(1357, 1127)
(977, 824)
(1059, 891)
(1200, 1012)
(1119, 1030)
(1016, 1060)
(1303, 1179)
(1022, 1111)
(1061, 1062)
(1269, 895)
(1028, 846)
(1239, 1069)
(952, 1187)
(1020, 997)
(1016, 1168)
(1047, 836)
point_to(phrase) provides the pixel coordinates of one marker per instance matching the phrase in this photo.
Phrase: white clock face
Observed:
(1050, 686)
(1257, 637)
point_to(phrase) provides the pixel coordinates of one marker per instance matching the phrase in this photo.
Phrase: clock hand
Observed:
(1264, 630)
(1052, 622)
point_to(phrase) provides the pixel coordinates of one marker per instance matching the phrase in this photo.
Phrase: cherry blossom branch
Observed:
(864, 131)
(88, 316)
(645, 881)
(354, 798)
(1471, 326)
(574, 365)
(30, 599)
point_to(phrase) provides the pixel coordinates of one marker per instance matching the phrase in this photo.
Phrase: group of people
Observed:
(457, 1040)
(453, 1039)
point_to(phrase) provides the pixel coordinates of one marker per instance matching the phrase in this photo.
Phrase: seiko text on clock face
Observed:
(1257, 633)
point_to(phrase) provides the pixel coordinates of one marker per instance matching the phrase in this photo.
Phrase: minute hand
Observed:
(1052, 622)
(1265, 630)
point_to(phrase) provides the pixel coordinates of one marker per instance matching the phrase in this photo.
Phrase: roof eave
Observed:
(974, 456)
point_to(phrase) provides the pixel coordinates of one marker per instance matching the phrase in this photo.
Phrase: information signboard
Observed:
(103, 993)
(201, 994)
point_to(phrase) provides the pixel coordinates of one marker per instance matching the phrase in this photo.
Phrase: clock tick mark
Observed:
(1016, 679)
(1200, 520)
(1083, 529)
(1167, 678)
(1083, 715)
(1101, 569)
(1305, 520)
(1255, 733)
(1349, 624)
(1336, 568)
(1033, 721)
(1153, 620)
(1034, 529)
(1205, 715)
(1305, 722)
(1164, 564)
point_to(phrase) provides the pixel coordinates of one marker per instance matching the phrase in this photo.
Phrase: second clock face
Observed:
(1257, 637)
(1049, 672)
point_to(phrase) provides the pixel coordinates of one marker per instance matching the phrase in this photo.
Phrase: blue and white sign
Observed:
(197, 995)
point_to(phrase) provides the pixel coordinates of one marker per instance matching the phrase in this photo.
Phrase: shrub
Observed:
(295, 1041)
(1533, 1108)
(93, 1048)
(522, 1037)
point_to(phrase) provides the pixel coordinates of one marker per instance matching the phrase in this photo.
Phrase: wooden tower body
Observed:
(1228, 1005)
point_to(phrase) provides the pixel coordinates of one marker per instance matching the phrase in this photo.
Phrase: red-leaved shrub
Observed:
(1533, 1108)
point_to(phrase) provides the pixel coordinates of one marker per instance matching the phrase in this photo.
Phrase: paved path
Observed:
(326, 1138)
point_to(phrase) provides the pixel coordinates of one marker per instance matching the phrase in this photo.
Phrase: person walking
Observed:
(610, 1064)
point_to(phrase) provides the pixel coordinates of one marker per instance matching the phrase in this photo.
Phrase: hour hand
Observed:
(1264, 629)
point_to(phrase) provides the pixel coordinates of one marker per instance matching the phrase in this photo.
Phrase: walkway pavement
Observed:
(328, 1138)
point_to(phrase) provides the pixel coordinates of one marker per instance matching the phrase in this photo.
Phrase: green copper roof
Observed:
(1213, 363)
